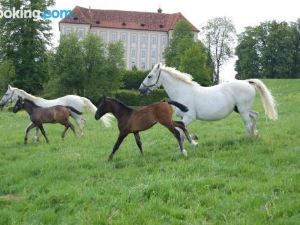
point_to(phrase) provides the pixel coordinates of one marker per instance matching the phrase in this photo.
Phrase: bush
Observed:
(132, 79)
(133, 98)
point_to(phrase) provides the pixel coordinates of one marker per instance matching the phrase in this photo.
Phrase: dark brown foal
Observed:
(135, 120)
(38, 116)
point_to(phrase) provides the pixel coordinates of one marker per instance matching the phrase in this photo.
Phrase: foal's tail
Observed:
(106, 119)
(183, 108)
(267, 98)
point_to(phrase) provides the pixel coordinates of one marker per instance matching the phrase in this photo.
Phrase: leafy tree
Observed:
(248, 63)
(70, 65)
(23, 41)
(87, 68)
(114, 66)
(94, 65)
(268, 51)
(7, 73)
(219, 37)
(296, 52)
(187, 54)
(182, 38)
(194, 61)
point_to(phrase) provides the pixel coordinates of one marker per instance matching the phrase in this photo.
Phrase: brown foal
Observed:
(39, 115)
(132, 120)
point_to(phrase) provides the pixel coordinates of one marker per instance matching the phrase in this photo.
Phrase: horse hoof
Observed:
(184, 152)
(194, 143)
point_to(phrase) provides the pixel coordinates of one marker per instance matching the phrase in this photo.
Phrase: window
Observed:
(164, 40)
(133, 53)
(144, 39)
(133, 38)
(113, 36)
(103, 35)
(68, 30)
(153, 53)
(124, 37)
(143, 65)
(80, 34)
(153, 40)
(143, 53)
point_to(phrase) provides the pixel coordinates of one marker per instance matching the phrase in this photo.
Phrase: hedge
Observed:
(133, 98)
(132, 79)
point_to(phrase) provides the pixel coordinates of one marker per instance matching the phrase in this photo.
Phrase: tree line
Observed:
(269, 50)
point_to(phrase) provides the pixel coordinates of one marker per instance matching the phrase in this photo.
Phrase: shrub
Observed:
(132, 79)
(133, 98)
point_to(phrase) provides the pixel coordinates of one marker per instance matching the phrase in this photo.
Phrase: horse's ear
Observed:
(9, 87)
(158, 65)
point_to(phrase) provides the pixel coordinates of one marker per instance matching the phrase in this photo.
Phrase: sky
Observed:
(242, 12)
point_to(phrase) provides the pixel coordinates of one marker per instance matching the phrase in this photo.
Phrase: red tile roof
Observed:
(124, 19)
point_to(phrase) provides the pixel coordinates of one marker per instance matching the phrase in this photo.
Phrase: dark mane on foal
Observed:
(121, 103)
(32, 103)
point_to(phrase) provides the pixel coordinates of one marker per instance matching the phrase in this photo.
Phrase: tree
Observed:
(187, 54)
(87, 67)
(7, 73)
(296, 51)
(194, 61)
(248, 62)
(268, 51)
(94, 65)
(70, 65)
(23, 41)
(219, 37)
(114, 65)
(182, 38)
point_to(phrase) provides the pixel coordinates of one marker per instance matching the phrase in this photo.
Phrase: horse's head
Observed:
(9, 96)
(19, 105)
(102, 109)
(152, 81)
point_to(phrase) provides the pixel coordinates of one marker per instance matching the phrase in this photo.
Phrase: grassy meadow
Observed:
(227, 179)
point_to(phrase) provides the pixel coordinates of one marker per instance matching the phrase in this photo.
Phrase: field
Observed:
(227, 179)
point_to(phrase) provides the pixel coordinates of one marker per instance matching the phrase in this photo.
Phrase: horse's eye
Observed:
(150, 76)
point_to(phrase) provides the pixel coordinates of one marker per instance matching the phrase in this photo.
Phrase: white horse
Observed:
(76, 103)
(211, 103)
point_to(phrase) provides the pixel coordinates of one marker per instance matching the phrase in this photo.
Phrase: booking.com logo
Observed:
(35, 14)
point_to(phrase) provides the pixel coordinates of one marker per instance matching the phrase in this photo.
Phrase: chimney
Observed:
(159, 10)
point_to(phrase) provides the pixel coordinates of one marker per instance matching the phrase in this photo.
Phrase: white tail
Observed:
(267, 98)
(106, 119)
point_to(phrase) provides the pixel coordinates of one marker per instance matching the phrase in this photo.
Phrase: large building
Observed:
(145, 35)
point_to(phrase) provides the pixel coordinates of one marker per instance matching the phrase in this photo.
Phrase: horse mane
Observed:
(26, 95)
(185, 77)
(121, 103)
(32, 103)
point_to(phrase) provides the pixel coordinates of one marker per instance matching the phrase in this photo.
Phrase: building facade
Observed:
(144, 35)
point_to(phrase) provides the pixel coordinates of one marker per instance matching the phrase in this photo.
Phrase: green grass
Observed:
(227, 179)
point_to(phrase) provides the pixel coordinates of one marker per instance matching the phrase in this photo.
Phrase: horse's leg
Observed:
(68, 125)
(187, 120)
(254, 117)
(80, 121)
(30, 126)
(176, 133)
(138, 141)
(117, 145)
(64, 132)
(43, 132)
(247, 122)
(36, 135)
(72, 127)
(182, 127)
